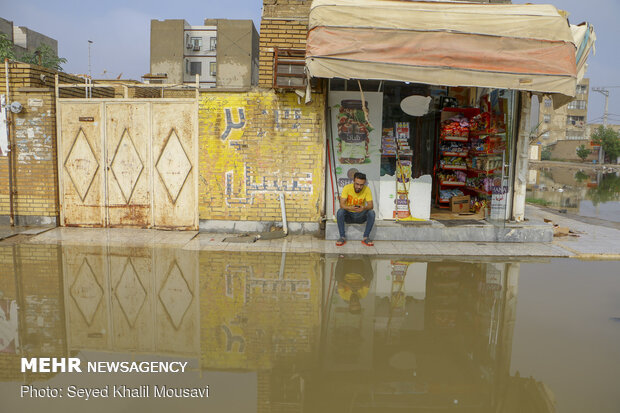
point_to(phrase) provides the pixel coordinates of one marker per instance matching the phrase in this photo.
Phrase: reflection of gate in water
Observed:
(128, 163)
(134, 299)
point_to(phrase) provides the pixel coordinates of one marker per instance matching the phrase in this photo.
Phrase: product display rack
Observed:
(484, 161)
(454, 158)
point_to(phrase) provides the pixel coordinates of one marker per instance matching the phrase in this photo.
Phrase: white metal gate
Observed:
(128, 163)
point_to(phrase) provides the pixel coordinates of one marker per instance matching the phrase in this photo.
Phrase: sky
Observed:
(120, 31)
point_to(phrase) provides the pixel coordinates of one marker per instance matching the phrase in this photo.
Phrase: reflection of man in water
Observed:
(353, 275)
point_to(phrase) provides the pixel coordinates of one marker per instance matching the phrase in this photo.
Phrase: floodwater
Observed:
(272, 332)
(583, 192)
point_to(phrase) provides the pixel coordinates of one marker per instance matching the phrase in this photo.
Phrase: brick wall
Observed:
(254, 145)
(35, 170)
(284, 24)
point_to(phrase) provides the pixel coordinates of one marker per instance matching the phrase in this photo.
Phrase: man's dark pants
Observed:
(343, 216)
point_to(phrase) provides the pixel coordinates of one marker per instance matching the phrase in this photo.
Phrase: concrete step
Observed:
(435, 231)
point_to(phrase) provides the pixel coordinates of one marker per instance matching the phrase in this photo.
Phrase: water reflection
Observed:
(584, 192)
(318, 334)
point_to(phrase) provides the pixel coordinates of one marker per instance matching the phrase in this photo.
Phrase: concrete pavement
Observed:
(591, 242)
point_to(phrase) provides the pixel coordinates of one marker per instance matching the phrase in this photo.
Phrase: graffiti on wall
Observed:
(254, 146)
(231, 124)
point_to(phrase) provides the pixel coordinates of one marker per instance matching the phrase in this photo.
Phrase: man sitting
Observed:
(356, 207)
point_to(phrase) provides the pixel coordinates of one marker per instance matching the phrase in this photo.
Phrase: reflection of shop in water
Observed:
(433, 335)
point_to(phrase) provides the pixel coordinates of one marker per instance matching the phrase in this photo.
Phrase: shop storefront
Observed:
(426, 150)
(427, 99)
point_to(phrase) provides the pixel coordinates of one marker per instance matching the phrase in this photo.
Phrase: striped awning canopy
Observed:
(505, 46)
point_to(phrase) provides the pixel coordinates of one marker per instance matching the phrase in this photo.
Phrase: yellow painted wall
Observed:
(254, 145)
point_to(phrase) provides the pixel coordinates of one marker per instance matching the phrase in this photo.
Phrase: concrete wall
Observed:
(6, 27)
(237, 51)
(254, 146)
(35, 170)
(567, 150)
(167, 49)
(31, 40)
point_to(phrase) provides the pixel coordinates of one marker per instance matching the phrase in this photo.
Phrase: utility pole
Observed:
(89, 71)
(605, 92)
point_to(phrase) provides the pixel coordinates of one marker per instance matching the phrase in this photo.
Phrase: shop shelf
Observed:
(486, 133)
(497, 152)
(459, 154)
(478, 190)
(454, 167)
(456, 138)
(482, 171)
(452, 183)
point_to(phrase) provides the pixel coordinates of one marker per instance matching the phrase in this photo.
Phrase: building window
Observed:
(196, 43)
(581, 89)
(547, 118)
(574, 135)
(212, 43)
(186, 66)
(195, 68)
(577, 104)
(548, 103)
(289, 65)
(213, 68)
(575, 120)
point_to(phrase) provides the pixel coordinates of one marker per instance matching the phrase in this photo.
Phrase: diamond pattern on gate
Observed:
(81, 164)
(87, 292)
(126, 166)
(176, 295)
(173, 166)
(130, 293)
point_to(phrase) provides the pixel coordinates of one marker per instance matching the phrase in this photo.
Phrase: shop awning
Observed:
(504, 46)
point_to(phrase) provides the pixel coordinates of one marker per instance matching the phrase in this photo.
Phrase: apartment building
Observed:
(567, 122)
(224, 53)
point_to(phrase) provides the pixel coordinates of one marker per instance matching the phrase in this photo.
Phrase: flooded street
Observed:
(275, 332)
(580, 191)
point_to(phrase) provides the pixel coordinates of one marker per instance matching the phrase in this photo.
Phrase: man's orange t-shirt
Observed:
(353, 198)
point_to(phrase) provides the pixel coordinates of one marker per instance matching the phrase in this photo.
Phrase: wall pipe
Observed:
(11, 147)
(283, 210)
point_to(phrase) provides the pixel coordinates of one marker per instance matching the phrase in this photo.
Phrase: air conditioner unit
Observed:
(196, 47)
(213, 73)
